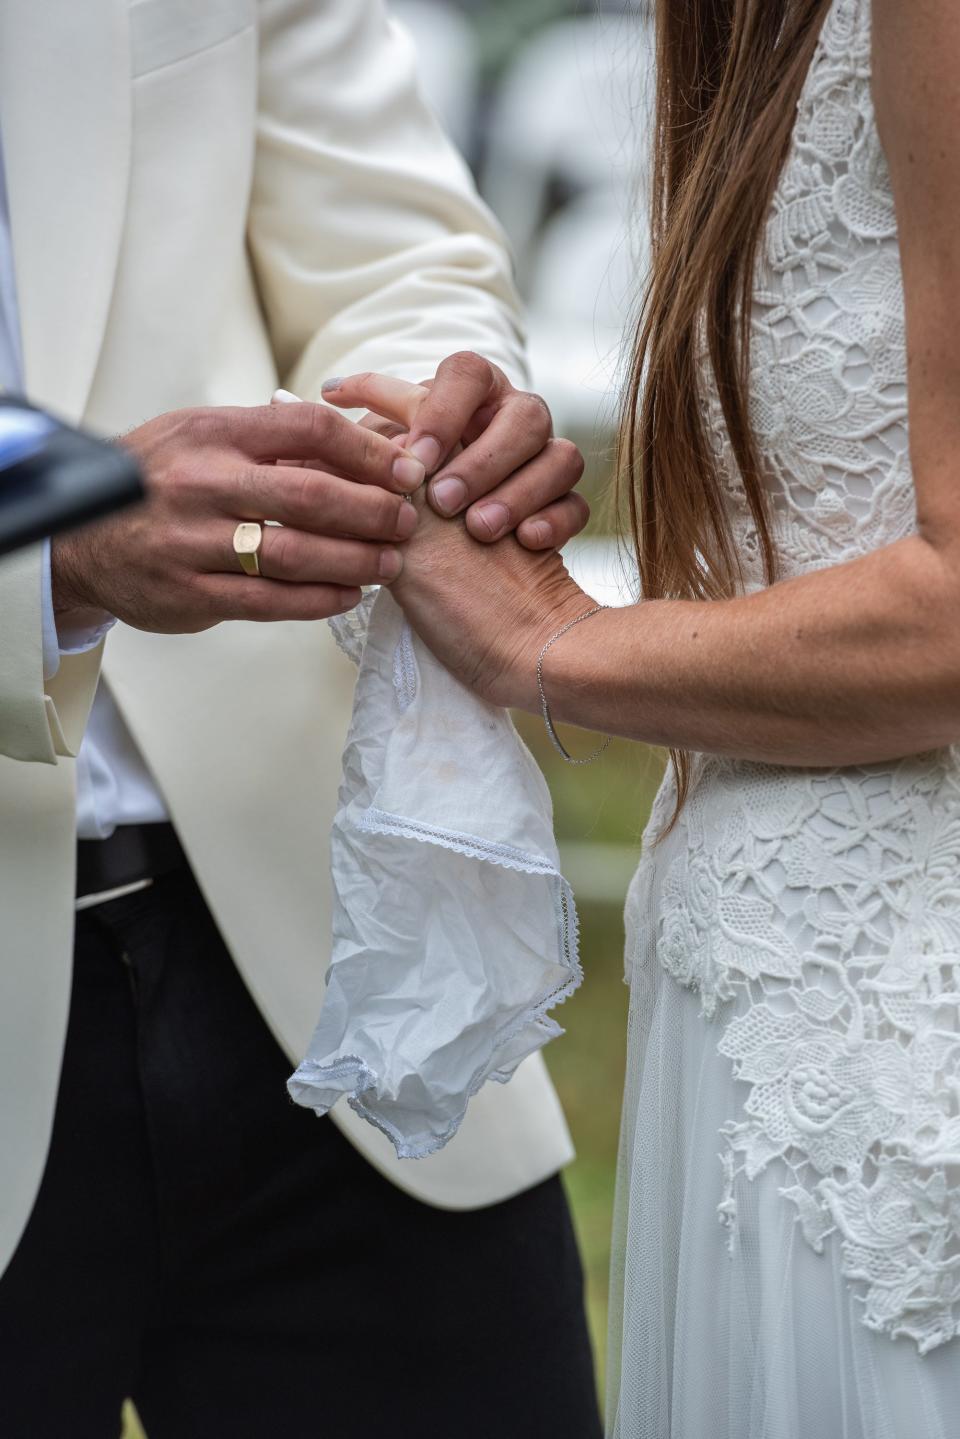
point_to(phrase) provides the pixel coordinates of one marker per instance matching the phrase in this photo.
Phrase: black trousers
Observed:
(230, 1262)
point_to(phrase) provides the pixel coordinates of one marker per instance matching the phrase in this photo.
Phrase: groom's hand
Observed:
(169, 566)
(511, 474)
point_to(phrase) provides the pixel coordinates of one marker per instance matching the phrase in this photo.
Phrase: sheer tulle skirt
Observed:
(744, 1333)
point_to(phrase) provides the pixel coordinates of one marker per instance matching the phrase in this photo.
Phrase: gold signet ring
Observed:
(247, 539)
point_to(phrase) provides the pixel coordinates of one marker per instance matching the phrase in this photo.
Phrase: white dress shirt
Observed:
(114, 785)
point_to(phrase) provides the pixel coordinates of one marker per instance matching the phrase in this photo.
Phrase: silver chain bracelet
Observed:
(544, 707)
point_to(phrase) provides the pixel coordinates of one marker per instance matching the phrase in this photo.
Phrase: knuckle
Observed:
(318, 423)
(189, 478)
(200, 600)
(306, 494)
(534, 412)
(180, 542)
(226, 427)
(307, 425)
(385, 513)
(173, 483)
(247, 602)
(199, 425)
(283, 551)
(356, 563)
(236, 489)
(388, 429)
(566, 518)
(469, 365)
(581, 511)
(568, 455)
(372, 451)
(318, 605)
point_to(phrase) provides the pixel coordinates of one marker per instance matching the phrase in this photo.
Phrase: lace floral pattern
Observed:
(828, 371)
(350, 629)
(818, 913)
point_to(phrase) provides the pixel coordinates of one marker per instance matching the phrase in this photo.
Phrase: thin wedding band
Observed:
(247, 539)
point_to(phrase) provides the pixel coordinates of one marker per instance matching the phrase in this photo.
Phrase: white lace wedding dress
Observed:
(789, 1206)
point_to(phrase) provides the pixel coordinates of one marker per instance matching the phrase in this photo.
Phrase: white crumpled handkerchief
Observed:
(453, 930)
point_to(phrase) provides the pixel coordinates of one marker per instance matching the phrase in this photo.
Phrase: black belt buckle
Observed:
(134, 852)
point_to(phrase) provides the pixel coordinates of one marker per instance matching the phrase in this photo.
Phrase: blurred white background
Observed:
(549, 102)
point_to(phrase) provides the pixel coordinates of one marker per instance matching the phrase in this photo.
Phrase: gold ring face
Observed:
(247, 539)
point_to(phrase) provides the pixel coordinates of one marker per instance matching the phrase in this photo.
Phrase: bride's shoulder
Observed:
(915, 52)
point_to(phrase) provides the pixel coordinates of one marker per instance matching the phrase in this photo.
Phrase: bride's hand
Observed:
(488, 449)
(485, 611)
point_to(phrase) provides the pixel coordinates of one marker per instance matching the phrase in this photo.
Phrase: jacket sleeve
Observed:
(39, 720)
(371, 246)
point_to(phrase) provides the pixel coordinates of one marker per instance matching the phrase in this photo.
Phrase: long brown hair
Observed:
(729, 76)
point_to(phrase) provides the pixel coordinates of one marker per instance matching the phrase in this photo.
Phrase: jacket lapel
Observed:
(65, 112)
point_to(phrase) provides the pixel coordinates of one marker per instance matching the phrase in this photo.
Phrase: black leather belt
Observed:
(133, 852)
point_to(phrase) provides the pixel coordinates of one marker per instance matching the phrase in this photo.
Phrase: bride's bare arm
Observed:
(860, 662)
(852, 664)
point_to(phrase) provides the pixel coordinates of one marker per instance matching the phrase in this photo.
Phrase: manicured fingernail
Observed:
(406, 522)
(537, 532)
(409, 474)
(284, 397)
(495, 519)
(391, 563)
(333, 383)
(428, 452)
(448, 495)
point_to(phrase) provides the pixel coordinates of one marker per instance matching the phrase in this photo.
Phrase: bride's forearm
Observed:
(849, 665)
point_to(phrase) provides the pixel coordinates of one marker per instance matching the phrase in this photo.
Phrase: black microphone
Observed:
(54, 477)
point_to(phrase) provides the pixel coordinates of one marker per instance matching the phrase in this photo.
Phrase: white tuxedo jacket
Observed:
(209, 197)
